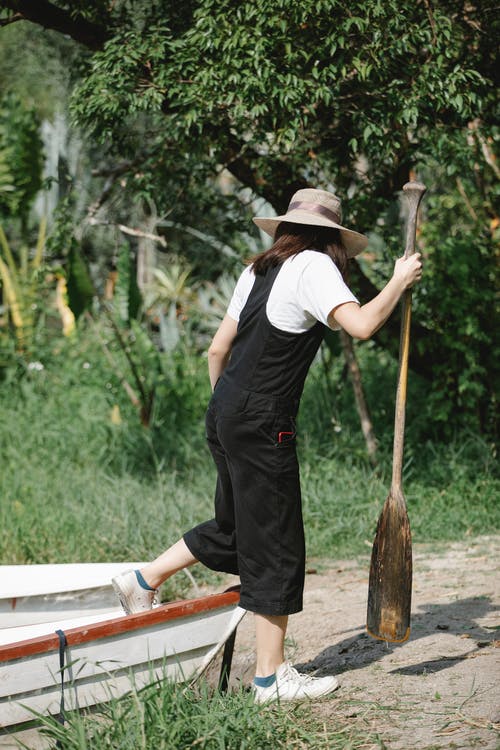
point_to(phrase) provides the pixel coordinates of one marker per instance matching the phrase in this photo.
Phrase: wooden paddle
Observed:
(389, 592)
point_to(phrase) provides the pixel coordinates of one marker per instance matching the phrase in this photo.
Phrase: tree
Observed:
(285, 95)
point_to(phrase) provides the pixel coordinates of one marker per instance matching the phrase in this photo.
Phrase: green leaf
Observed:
(80, 288)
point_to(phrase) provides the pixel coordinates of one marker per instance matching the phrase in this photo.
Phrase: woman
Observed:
(257, 362)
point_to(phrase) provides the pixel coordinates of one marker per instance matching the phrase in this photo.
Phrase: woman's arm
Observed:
(219, 350)
(362, 322)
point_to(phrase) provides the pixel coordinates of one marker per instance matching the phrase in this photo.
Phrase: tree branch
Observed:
(488, 154)
(276, 184)
(11, 19)
(118, 169)
(128, 230)
(223, 248)
(466, 200)
(49, 16)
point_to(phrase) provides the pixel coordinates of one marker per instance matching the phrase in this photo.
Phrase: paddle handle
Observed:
(414, 192)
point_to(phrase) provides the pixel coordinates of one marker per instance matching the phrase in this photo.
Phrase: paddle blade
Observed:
(389, 592)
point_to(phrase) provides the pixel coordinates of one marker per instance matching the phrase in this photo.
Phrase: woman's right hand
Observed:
(408, 270)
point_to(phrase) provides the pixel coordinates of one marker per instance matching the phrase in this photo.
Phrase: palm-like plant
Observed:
(6, 181)
(212, 301)
(20, 284)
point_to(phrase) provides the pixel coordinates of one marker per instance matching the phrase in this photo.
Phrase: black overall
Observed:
(257, 532)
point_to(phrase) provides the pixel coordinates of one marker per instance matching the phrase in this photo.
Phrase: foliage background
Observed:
(148, 136)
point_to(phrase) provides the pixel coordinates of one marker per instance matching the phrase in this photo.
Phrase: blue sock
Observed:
(265, 681)
(142, 582)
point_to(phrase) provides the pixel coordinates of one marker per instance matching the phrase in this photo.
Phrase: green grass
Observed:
(166, 716)
(454, 497)
(68, 494)
(77, 486)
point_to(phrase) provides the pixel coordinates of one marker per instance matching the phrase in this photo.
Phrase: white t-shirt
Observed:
(307, 288)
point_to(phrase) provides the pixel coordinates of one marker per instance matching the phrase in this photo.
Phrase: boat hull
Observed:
(105, 660)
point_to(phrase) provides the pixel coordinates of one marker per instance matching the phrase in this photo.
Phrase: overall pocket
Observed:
(285, 432)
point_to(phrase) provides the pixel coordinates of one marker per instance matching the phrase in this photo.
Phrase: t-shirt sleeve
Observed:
(240, 295)
(322, 288)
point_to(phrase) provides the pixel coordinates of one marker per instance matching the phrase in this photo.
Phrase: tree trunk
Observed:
(146, 254)
(359, 396)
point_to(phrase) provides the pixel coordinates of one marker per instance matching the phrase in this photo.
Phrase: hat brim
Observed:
(354, 242)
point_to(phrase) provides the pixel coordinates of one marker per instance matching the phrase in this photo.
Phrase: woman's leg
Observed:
(169, 562)
(275, 680)
(270, 643)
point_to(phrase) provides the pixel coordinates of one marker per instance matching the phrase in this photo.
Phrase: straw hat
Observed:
(317, 208)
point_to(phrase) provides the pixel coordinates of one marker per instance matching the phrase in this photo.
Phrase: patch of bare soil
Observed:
(440, 689)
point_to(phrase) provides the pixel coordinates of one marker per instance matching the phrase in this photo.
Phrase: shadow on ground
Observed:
(456, 618)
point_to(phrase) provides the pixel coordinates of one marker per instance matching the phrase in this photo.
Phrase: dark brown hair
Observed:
(291, 239)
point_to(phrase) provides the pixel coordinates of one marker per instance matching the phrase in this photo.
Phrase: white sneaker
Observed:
(290, 685)
(133, 597)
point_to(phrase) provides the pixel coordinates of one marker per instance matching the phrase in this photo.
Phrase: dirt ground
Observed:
(440, 689)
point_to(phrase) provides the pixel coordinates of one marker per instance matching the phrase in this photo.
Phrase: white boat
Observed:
(104, 656)
(42, 593)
